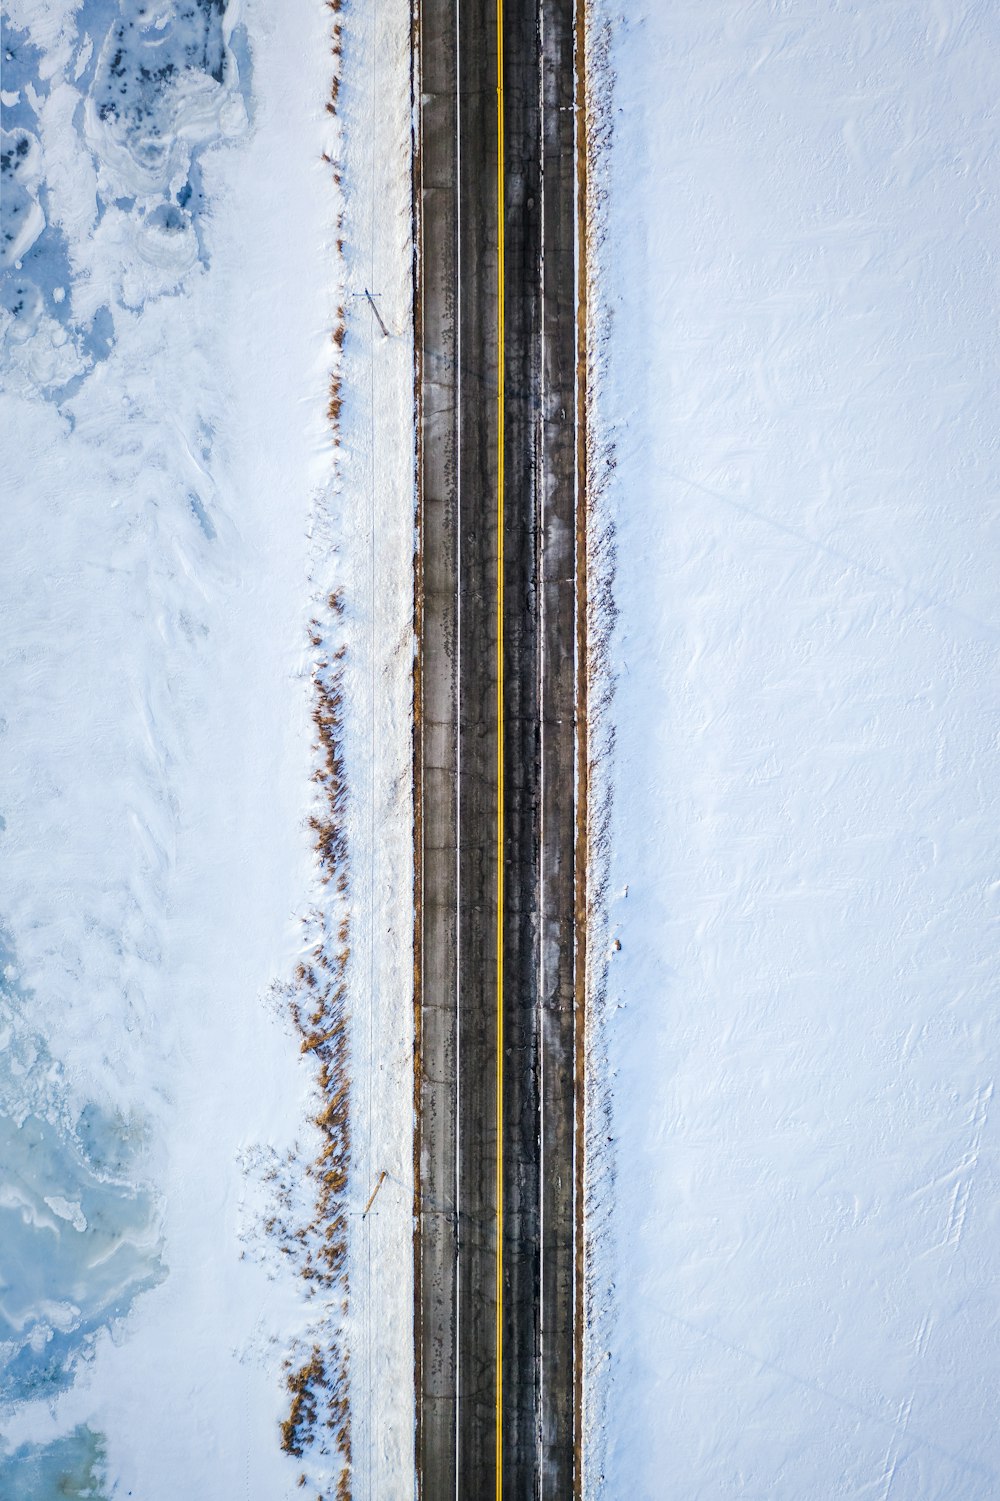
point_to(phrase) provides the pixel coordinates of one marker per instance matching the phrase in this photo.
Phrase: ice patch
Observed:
(78, 1240)
(201, 516)
(99, 339)
(69, 1466)
(21, 60)
(23, 219)
(158, 94)
(100, 147)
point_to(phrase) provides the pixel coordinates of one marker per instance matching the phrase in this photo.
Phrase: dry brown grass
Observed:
(304, 1411)
(336, 400)
(314, 1389)
(319, 1410)
(318, 1001)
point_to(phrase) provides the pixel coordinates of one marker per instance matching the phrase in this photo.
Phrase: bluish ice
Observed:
(68, 1467)
(134, 67)
(79, 1232)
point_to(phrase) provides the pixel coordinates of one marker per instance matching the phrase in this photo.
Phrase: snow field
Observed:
(794, 1050)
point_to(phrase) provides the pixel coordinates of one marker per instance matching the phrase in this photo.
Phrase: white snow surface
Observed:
(793, 1170)
(174, 511)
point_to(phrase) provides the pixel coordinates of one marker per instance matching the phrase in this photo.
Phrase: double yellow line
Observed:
(501, 349)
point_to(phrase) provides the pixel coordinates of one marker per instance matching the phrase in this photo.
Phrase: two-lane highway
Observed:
(496, 747)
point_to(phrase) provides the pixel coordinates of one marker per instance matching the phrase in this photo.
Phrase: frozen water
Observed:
(78, 1238)
(70, 1466)
(104, 151)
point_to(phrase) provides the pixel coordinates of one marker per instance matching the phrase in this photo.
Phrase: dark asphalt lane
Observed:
(456, 752)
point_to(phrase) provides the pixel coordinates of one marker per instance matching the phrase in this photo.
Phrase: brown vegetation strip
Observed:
(319, 1411)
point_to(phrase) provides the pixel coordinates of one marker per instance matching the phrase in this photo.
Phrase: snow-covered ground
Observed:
(177, 253)
(794, 1169)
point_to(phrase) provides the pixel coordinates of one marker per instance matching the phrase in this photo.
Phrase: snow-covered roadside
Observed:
(374, 529)
(173, 518)
(793, 1173)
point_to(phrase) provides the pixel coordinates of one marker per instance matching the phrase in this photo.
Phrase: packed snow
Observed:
(186, 221)
(793, 1173)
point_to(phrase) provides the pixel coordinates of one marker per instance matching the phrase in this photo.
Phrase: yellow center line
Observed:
(500, 757)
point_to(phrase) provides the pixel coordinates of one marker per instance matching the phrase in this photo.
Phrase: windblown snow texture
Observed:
(795, 1041)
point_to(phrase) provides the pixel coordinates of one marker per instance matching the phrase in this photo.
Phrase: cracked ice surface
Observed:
(107, 110)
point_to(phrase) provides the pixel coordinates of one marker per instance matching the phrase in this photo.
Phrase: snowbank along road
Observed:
(495, 205)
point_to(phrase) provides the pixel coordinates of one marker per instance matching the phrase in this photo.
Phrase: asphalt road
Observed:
(496, 749)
